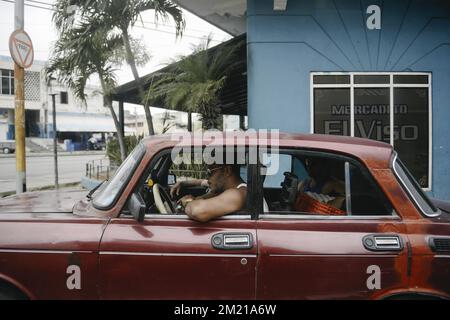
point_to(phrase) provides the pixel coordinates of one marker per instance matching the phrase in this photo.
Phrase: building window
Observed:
(64, 97)
(7, 81)
(32, 86)
(391, 107)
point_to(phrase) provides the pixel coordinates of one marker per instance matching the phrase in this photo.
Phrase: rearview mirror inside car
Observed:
(171, 179)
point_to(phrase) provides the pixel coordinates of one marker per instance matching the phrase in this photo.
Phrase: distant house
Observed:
(74, 120)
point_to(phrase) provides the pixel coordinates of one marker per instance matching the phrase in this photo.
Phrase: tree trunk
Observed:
(108, 102)
(132, 63)
(211, 117)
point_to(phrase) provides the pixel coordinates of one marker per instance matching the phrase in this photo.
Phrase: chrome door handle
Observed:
(383, 242)
(232, 241)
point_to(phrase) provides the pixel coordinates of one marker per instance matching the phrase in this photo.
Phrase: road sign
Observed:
(21, 48)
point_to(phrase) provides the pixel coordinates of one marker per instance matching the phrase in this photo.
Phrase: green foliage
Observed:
(114, 13)
(113, 149)
(194, 82)
(189, 171)
(77, 57)
(117, 17)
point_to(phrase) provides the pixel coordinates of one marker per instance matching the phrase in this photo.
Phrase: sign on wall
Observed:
(359, 105)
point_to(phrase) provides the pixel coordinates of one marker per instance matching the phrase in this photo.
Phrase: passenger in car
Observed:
(323, 184)
(228, 194)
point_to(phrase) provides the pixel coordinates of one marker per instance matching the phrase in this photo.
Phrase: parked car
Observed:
(386, 239)
(8, 146)
(94, 144)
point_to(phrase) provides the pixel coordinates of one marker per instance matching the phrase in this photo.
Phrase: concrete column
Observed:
(242, 122)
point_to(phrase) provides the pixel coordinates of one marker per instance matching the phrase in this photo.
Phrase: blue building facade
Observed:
(373, 69)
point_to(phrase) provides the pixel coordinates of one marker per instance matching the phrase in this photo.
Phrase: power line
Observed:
(142, 27)
(29, 5)
(171, 25)
(173, 33)
(40, 2)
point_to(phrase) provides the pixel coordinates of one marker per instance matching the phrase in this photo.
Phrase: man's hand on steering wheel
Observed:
(162, 199)
(185, 200)
(175, 189)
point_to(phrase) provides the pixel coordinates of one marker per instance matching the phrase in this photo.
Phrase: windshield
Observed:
(109, 192)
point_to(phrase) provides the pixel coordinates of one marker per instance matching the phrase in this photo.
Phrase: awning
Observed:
(84, 122)
(233, 98)
(229, 15)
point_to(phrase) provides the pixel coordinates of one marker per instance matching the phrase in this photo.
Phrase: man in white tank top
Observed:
(228, 194)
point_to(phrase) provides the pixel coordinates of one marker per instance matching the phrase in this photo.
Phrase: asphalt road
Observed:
(40, 170)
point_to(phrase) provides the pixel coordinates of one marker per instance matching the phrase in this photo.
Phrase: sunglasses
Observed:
(209, 172)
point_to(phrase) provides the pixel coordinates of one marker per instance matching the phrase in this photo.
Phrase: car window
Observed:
(166, 170)
(110, 191)
(273, 180)
(414, 190)
(323, 184)
(366, 197)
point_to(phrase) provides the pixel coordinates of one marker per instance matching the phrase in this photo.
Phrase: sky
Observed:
(159, 39)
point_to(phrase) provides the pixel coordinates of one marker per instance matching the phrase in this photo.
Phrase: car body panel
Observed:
(326, 259)
(42, 234)
(175, 259)
(37, 249)
(41, 202)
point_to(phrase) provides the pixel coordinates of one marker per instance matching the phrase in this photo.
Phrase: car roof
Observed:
(375, 154)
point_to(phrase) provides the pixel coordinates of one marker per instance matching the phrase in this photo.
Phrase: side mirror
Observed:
(171, 179)
(136, 205)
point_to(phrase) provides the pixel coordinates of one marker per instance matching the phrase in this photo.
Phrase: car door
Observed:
(172, 257)
(316, 256)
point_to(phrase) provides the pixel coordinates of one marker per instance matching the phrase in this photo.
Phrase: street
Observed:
(40, 170)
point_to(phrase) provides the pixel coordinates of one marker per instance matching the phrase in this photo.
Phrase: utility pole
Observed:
(19, 74)
(55, 150)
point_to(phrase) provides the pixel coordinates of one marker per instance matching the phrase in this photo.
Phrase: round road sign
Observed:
(21, 48)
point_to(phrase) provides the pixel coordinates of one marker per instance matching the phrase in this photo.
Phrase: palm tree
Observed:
(79, 55)
(193, 83)
(168, 122)
(120, 15)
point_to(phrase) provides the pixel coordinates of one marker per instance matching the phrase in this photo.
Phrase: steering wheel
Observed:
(162, 200)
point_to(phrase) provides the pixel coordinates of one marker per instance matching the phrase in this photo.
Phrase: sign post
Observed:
(21, 49)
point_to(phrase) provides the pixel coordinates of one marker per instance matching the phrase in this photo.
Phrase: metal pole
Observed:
(135, 121)
(121, 118)
(19, 121)
(55, 150)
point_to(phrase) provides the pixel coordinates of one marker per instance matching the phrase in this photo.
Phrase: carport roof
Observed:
(233, 99)
(229, 15)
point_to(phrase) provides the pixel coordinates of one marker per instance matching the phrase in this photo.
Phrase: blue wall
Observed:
(331, 35)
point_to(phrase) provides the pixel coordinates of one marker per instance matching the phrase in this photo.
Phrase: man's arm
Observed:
(229, 201)
(175, 189)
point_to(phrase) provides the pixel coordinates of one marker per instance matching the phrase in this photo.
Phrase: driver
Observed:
(228, 193)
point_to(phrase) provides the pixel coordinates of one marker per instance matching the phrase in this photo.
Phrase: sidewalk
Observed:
(60, 153)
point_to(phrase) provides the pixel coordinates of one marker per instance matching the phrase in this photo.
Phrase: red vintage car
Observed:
(127, 239)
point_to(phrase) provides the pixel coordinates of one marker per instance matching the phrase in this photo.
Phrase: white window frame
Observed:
(391, 87)
(11, 81)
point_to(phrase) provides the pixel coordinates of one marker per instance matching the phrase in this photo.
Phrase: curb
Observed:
(47, 187)
(50, 154)
(89, 184)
